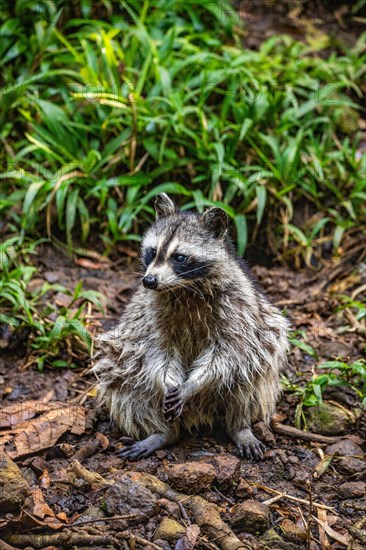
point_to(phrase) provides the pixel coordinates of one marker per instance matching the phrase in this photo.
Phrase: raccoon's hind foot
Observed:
(142, 449)
(249, 446)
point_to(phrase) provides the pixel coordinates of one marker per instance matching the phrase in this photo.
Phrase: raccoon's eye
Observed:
(150, 255)
(180, 258)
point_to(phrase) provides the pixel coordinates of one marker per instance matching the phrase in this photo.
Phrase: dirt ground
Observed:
(314, 491)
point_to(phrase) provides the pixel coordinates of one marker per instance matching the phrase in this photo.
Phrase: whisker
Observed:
(196, 268)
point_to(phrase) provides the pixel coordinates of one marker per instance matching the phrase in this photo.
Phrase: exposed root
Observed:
(64, 539)
(290, 431)
(205, 513)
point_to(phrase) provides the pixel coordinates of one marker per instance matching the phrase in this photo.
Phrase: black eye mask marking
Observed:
(149, 255)
(191, 268)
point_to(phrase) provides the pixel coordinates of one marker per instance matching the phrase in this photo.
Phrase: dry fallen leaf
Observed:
(15, 413)
(40, 512)
(343, 539)
(31, 431)
(322, 466)
(89, 264)
(322, 517)
(40, 506)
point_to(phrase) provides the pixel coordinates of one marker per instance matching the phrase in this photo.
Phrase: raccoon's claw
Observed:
(127, 440)
(248, 445)
(173, 404)
(135, 451)
(146, 447)
(252, 450)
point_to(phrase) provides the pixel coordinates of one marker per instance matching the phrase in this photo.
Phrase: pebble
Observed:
(345, 447)
(126, 496)
(169, 530)
(13, 487)
(251, 516)
(227, 470)
(191, 477)
(352, 489)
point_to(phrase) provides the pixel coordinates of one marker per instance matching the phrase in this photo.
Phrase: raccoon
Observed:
(198, 342)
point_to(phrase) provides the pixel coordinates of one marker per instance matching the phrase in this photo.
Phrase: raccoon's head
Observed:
(182, 248)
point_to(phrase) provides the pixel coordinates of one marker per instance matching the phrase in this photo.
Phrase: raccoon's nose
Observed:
(150, 281)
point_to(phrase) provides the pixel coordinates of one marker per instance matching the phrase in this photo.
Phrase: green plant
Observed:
(54, 332)
(298, 339)
(337, 374)
(105, 113)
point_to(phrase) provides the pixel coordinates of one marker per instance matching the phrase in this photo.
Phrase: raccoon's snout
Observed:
(150, 281)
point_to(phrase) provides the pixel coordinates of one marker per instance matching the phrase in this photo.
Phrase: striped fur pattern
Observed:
(205, 344)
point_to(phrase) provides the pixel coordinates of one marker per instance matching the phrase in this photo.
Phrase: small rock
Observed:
(191, 477)
(13, 487)
(352, 466)
(169, 530)
(270, 454)
(227, 470)
(189, 540)
(171, 508)
(353, 489)
(345, 447)
(329, 419)
(126, 496)
(263, 431)
(251, 516)
(334, 349)
(272, 540)
(292, 531)
(244, 489)
(351, 506)
(91, 514)
(164, 544)
(51, 276)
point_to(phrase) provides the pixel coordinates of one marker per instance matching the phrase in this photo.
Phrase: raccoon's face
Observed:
(181, 249)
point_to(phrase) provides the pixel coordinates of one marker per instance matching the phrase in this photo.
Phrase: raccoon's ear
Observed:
(164, 206)
(216, 221)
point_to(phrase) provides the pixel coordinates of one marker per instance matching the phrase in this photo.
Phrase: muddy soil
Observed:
(304, 494)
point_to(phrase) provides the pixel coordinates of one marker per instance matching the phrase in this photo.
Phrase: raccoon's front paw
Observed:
(173, 403)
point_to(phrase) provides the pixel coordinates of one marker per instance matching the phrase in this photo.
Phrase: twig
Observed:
(273, 500)
(290, 497)
(40, 522)
(310, 514)
(206, 544)
(356, 325)
(95, 520)
(184, 514)
(224, 497)
(357, 530)
(290, 431)
(64, 539)
(358, 291)
(126, 535)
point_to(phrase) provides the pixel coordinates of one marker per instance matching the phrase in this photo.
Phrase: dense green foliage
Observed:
(104, 107)
(105, 104)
